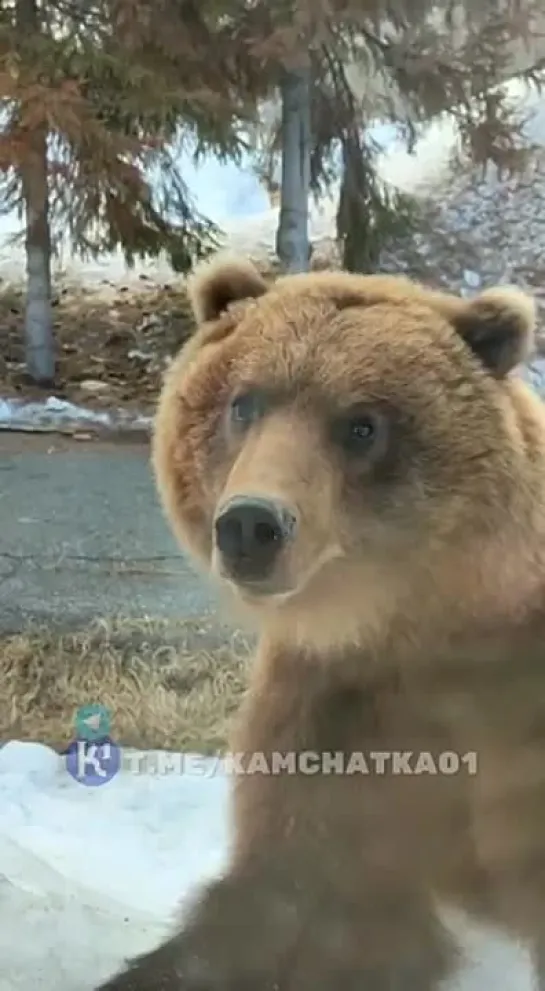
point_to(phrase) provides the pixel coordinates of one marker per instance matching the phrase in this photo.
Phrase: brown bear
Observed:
(357, 461)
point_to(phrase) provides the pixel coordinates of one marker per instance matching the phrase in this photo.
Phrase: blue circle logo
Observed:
(93, 762)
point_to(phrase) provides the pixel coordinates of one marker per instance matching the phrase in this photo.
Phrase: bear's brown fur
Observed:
(398, 587)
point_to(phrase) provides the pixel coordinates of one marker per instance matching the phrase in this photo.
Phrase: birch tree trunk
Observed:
(39, 340)
(292, 239)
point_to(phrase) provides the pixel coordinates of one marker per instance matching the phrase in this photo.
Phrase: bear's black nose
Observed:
(250, 533)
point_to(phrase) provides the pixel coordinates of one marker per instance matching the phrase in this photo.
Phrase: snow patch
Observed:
(57, 414)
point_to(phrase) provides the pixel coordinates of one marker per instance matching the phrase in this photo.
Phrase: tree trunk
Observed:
(292, 239)
(39, 341)
(354, 211)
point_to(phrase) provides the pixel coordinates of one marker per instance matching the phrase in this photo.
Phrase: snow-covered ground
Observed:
(89, 875)
(54, 413)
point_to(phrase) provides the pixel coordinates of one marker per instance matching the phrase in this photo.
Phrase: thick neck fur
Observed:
(396, 616)
(477, 690)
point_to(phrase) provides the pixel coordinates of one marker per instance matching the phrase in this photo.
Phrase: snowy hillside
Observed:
(89, 875)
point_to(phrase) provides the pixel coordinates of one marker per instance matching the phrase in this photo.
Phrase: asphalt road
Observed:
(82, 535)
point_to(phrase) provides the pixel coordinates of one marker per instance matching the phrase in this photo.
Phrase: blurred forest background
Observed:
(102, 99)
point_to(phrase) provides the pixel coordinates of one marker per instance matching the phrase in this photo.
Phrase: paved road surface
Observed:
(82, 535)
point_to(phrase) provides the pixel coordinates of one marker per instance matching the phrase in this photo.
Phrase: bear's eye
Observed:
(361, 430)
(357, 432)
(246, 408)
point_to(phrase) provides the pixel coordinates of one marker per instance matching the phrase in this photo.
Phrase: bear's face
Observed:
(330, 432)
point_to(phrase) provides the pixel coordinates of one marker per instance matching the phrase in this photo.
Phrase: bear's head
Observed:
(331, 445)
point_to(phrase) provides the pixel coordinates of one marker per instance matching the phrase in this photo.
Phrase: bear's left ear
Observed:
(221, 282)
(499, 326)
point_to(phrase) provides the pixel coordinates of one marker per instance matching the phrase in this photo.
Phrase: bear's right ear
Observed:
(217, 284)
(499, 326)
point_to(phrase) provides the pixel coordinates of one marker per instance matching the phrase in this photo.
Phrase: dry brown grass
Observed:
(167, 686)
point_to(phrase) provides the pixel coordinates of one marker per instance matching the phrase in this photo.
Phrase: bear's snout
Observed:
(250, 533)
